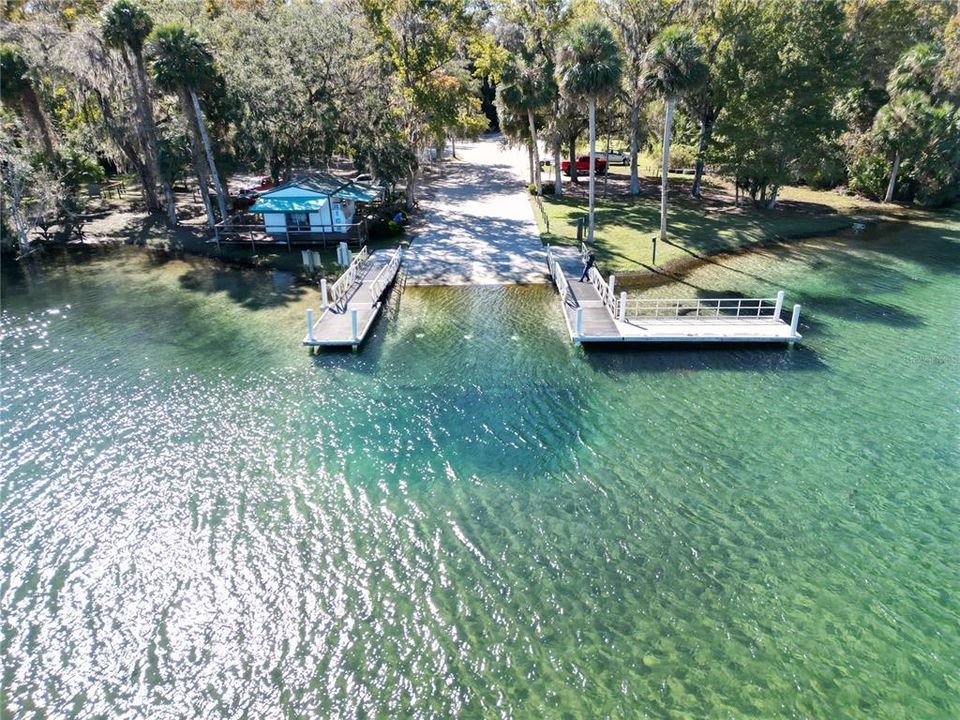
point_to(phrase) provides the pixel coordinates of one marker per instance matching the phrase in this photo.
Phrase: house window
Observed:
(298, 221)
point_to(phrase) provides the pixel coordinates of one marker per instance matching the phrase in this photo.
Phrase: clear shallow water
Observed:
(472, 518)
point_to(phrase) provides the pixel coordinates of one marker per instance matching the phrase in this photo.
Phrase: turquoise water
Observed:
(470, 517)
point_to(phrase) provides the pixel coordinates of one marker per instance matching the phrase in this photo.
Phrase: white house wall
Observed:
(275, 222)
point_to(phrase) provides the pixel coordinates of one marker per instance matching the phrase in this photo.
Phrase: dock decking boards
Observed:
(335, 326)
(600, 323)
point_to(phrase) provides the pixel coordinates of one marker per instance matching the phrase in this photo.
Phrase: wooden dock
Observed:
(353, 302)
(595, 313)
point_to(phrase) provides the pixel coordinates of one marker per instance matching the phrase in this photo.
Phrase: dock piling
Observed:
(622, 314)
(323, 294)
(579, 321)
(353, 323)
(779, 307)
(310, 324)
(794, 321)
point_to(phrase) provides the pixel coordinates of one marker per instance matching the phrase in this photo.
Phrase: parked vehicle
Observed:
(583, 165)
(616, 157)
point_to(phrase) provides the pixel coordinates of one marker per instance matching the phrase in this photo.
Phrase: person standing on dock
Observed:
(591, 259)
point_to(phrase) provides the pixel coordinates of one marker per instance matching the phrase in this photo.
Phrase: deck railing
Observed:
(386, 275)
(604, 289)
(231, 231)
(556, 272)
(345, 281)
(628, 308)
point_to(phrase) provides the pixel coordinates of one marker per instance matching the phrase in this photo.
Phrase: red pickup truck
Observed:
(583, 165)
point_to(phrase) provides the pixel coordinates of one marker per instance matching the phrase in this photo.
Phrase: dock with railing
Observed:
(350, 306)
(594, 312)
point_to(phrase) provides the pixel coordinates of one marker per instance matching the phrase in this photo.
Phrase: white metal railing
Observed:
(556, 272)
(345, 282)
(634, 308)
(386, 274)
(604, 289)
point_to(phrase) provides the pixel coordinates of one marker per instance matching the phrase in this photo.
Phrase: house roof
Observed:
(311, 193)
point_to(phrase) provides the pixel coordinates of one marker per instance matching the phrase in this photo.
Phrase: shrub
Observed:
(548, 188)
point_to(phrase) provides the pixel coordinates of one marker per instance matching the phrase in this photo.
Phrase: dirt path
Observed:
(478, 228)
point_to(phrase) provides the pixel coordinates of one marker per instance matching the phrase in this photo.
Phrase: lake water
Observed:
(472, 518)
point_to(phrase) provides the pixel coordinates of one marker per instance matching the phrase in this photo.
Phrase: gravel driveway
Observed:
(478, 226)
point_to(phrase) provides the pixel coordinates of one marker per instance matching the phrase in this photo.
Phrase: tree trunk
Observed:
(411, 190)
(593, 153)
(634, 146)
(537, 174)
(557, 150)
(557, 180)
(221, 195)
(31, 104)
(892, 185)
(772, 203)
(573, 159)
(147, 130)
(530, 162)
(16, 212)
(199, 163)
(606, 173)
(667, 130)
(151, 151)
(706, 129)
(453, 146)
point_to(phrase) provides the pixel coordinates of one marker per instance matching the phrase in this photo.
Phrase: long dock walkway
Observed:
(354, 300)
(595, 313)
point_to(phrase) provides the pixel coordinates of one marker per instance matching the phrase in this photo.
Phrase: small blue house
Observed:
(317, 203)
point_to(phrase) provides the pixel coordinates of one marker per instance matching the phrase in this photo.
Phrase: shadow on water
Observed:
(252, 289)
(615, 358)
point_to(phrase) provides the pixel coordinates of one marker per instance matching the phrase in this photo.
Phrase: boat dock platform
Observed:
(595, 313)
(350, 307)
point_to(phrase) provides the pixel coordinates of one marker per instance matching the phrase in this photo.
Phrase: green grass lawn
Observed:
(625, 226)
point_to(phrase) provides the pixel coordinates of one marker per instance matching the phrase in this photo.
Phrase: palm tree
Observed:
(673, 68)
(126, 27)
(183, 64)
(525, 87)
(899, 126)
(589, 67)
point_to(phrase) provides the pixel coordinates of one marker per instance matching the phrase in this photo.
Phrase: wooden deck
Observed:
(353, 302)
(595, 313)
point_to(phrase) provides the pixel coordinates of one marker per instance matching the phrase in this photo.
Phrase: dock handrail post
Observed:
(622, 314)
(310, 324)
(579, 322)
(323, 294)
(353, 323)
(779, 307)
(794, 321)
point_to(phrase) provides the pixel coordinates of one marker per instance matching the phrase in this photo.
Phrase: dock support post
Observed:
(794, 322)
(622, 315)
(310, 324)
(323, 294)
(353, 323)
(779, 308)
(579, 322)
(610, 282)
